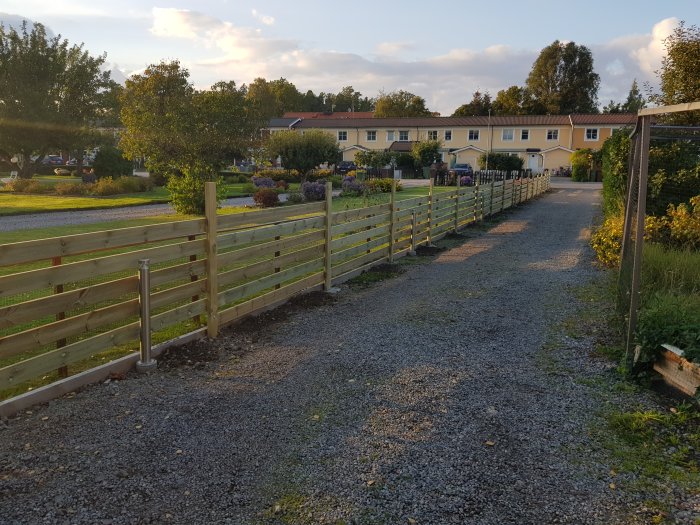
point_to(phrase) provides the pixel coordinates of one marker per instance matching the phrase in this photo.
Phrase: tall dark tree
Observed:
(562, 80)
(680, 73)
(49, 93)
(634, 102)
(400, 104)
(479, 105)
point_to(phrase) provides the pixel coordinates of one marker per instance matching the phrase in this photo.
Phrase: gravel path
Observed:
(427, 399)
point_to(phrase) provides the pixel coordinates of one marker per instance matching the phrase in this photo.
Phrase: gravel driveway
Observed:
(427, 399)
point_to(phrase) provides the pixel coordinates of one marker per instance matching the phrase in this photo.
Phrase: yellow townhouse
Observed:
(543, 141)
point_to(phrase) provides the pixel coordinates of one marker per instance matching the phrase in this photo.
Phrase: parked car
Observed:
(461, 170)
(345, 166)
(53, 160)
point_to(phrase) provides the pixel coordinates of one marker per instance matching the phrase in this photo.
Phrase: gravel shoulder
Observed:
(431, 398)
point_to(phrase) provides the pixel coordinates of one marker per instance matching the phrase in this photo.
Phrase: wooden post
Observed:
(476, 200)
(62, 371)
(430, 213)
(277, 267)
(197, 318)
(392, 226)
(414, 227)
(493, 185)
(328, 283)
(212, 266)
(457, 204)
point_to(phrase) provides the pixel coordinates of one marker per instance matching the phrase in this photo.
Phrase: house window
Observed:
(524, 134)
(473, 134)
(432, 134)
(403, 136)
(448, 135)
(552, 134)
(591, 133)
(507, 134)
(342, 136)
(390, 135)
(371, 136)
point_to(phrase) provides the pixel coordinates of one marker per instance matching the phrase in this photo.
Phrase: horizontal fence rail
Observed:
(71, 303)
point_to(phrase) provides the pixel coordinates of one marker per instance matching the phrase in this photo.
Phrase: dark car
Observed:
(345, 166)
(53, 160)
(461, 170)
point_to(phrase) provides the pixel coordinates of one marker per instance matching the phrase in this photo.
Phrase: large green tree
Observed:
(400, 104)
(680, 73)
(562, 80)
(426, 152)
(49, 93)
(187, 134)
(303, 152)
(479, 105)
(514, 100)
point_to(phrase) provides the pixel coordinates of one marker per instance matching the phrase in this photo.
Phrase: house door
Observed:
(533, 162)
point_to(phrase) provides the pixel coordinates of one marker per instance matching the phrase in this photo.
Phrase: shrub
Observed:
(29, 186)
(285, 175)
(615, 153)
(72, 188)
(282, 185)
(106, 186)
(187, 190)
(607, 240)
(313, 191)
(381, 185)
(320, 175)
(110, 162)
(295, 197)
(249, 188)
(263, 182)
(501, 162)
(353, 187)
(266, 198)
(466, 180)
(158, 178)
(672, 319)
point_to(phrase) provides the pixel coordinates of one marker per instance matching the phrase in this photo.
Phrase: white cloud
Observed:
(446, 81)
(267, 20)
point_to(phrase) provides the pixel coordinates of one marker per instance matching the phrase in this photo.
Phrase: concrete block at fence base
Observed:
(145, 367)
(333, 290)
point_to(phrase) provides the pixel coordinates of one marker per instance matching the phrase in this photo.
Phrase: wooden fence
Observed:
(65, 300)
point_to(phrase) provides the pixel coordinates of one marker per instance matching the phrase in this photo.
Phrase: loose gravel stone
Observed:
(430, 398)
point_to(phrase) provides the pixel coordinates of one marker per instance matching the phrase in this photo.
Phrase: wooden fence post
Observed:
(62, 371)
(392, 226)
(414, 227)
(212, 266)
(197, 318)
(457, 204)
(430, 213)
(493, 186)
(328, 282)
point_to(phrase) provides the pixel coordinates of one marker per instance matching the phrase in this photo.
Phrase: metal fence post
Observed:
(146, 363)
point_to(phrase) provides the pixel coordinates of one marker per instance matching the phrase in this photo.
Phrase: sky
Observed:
(442, 51)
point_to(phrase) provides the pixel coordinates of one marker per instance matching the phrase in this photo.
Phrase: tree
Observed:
(426, 152)
(635, 101)
(262, 98)
(375, 159)
(347, 99)
(512, 101)
(581, 164)
(303, 152)
(680, 73)
(479, 105)
(562, 80)
(49, 93)
(110, 162)
(188, 135)
(400, 104)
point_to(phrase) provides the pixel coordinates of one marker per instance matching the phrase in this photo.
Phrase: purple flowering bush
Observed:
(263, 182)
(466, 180)
(352, 186)
(314, 191)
